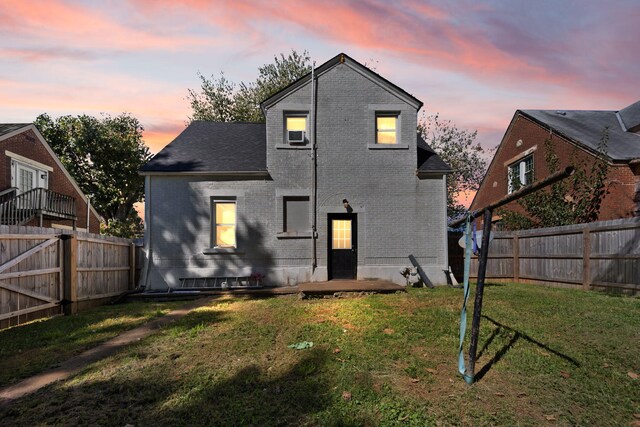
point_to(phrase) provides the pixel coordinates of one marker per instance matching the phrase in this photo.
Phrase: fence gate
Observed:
(30, 276)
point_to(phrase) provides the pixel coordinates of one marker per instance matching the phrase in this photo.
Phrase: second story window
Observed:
(296, 128)
(520, 174)
(387, 128)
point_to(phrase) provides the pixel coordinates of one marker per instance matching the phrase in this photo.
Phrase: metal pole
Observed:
(314, 167)
(477, 306)
(551, 179)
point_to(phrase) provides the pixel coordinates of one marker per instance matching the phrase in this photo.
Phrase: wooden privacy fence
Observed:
(600, 255)
(44, 272)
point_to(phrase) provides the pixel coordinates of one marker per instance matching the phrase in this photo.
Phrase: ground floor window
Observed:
(224, 223)
(296, 214)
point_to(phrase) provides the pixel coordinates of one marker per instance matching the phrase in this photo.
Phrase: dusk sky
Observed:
(473, 62)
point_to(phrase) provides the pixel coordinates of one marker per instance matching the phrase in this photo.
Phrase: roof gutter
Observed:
(434, 172)
(257, 174)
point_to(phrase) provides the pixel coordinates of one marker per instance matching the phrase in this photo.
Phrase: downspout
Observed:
(88, 207)
(147, 232)
(314, 178)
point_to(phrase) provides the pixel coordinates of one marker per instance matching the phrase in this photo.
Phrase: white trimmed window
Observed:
(26, 176)
(296, 126)
(520, 174)
(387, 128)
(224, 223)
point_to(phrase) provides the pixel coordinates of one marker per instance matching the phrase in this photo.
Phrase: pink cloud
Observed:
(157, 137)
(56, 21)
(466, 42)
(40, 54)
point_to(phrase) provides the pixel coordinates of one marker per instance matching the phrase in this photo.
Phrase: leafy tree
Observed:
(221, 100)
(574, 200)
(103, 155)
(457, 147)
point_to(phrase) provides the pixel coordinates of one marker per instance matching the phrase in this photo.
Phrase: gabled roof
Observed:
(6, 128)
(342, 58)
(586, 127)
(214, 147)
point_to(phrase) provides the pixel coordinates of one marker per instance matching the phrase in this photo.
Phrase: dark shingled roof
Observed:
(586, 128)
(239, 147)
(214, 147)
(428, 160)
(630, 117)
(6, 128)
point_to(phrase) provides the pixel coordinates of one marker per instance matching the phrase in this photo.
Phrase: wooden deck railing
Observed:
(20, 209)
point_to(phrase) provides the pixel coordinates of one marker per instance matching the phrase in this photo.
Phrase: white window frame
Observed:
(396, 116)
(40, 173)
(521, 166)
(215, 224)
(293, 114)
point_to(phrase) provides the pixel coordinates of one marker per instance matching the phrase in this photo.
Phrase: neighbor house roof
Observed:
(214, 147)
(6, 128)
(586, 128)
(7, 131)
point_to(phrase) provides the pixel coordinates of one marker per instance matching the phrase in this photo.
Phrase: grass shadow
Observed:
(517, 335)
(250, 396)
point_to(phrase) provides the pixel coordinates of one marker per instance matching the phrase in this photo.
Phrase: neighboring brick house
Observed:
(343, 190)
(575, 136)
(35, 189)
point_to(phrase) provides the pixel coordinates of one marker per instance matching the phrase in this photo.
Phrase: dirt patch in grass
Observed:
(31, 348)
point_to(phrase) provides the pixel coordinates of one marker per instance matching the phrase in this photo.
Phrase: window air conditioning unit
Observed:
(296, 136)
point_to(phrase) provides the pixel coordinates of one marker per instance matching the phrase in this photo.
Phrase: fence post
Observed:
(132, 265)
(586, 259)
(516, 257)
(70, 267)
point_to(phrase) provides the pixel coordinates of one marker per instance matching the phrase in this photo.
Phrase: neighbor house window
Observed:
(224, 220)
(26, 177)
(520, 173)
(296, 128)
(296, 214)
(386, 128)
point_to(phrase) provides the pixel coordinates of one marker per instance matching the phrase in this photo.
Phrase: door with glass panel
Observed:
(343, 239)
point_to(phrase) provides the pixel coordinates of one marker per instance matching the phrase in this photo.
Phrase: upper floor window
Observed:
(387, 128)
(296, 128)
(27, 176)
(520, 173)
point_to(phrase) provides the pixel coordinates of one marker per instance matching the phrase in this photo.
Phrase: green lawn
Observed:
(549, 356)
(29, 349)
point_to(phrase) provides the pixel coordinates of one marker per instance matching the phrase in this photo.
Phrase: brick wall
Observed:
(398, 214)
(523, 135)
(28, 145)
